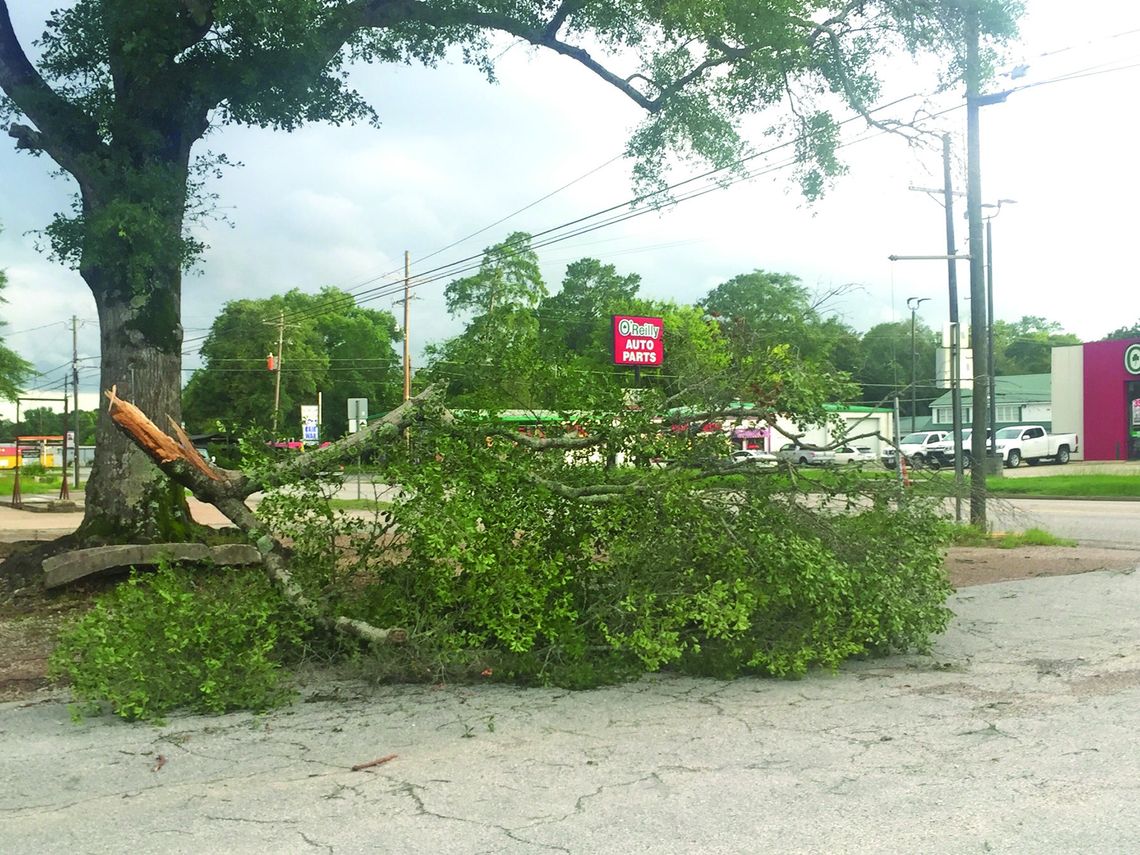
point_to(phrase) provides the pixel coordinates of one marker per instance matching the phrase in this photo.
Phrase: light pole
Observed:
(913, 303)
(955, 374)
(990, 316)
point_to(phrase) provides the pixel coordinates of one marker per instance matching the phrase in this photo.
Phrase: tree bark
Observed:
(139, 309)
(127, 498)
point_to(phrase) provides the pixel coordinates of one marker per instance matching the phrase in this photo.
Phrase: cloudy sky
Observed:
(454, 155)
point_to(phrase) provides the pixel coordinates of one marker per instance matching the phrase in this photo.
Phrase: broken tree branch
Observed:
(227, 492)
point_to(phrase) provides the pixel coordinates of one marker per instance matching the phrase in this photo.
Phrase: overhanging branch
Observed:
(64, 131)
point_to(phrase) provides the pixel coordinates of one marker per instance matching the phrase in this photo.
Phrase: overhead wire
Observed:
(649, 202)
(638, 206)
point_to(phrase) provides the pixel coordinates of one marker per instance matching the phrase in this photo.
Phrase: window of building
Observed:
(1007, 413)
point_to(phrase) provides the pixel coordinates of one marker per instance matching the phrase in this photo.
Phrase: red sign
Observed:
(638, 341)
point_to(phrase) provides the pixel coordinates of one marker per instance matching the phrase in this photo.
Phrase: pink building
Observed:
(1096, 394)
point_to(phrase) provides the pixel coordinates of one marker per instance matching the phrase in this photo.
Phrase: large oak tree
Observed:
(123, 90)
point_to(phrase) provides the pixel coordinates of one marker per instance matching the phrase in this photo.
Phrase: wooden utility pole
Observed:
(407, 317)
(978, 309)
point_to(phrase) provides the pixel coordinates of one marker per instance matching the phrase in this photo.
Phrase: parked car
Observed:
(754, 457)
(1032, 444)
(857, 454)
(805, 456)
(942, 453)
(914, 446)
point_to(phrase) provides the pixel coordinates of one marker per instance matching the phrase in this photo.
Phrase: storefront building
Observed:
(1096, 394)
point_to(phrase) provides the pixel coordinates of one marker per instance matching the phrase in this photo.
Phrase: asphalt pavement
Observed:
(1017, 735)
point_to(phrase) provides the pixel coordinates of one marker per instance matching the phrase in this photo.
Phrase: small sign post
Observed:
(310, 429)
(357, 414)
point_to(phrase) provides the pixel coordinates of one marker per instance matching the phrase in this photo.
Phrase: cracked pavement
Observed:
(1017, 734)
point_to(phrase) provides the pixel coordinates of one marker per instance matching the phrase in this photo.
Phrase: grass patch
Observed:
(964, 535)
(1067, 485)
(35, 485)
(941, 483)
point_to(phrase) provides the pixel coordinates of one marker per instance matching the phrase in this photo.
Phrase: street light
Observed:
(955, 372)
(913, 303)
(990, 316)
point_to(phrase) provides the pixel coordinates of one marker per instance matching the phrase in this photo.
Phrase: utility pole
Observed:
(277, 390)
(955, 366)
(978, 319)
(75, 391)
(913, 303)
(990, 333)
(407, 316)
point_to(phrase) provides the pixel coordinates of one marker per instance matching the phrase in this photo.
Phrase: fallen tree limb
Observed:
(227, 490)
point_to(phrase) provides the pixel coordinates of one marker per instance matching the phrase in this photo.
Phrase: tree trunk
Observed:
(128, 499)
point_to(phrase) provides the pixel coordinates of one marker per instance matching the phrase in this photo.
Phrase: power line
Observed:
(33, 329)
(650, 202)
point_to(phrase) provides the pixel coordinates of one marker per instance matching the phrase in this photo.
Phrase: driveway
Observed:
(1017, 735)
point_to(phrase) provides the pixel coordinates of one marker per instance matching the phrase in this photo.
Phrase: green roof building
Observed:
(1020, 399)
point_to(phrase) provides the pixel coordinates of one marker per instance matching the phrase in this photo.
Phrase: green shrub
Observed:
(203, 640)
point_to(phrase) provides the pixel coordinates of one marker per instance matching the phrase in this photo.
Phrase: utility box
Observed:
(995, 465)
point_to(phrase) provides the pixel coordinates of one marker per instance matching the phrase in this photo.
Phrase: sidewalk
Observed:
(47, 525)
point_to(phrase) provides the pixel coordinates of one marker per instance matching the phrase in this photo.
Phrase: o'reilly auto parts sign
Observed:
(638, 341)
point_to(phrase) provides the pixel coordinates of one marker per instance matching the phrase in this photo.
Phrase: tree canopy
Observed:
(1026, 346)
(43, 421)
(884, 365)
(1132, 331)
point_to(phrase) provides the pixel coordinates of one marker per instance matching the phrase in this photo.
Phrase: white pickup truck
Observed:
(1032, 444)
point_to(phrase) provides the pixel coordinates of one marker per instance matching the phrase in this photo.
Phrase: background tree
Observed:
(1124, 332)
(43, 421)
(770, 318)
(1026, 346)
(331, 345)
(490, 365)
(124, 90)
(762, 309)
(885, 366)
(527, 350)
(13, 369)
(590, 293)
